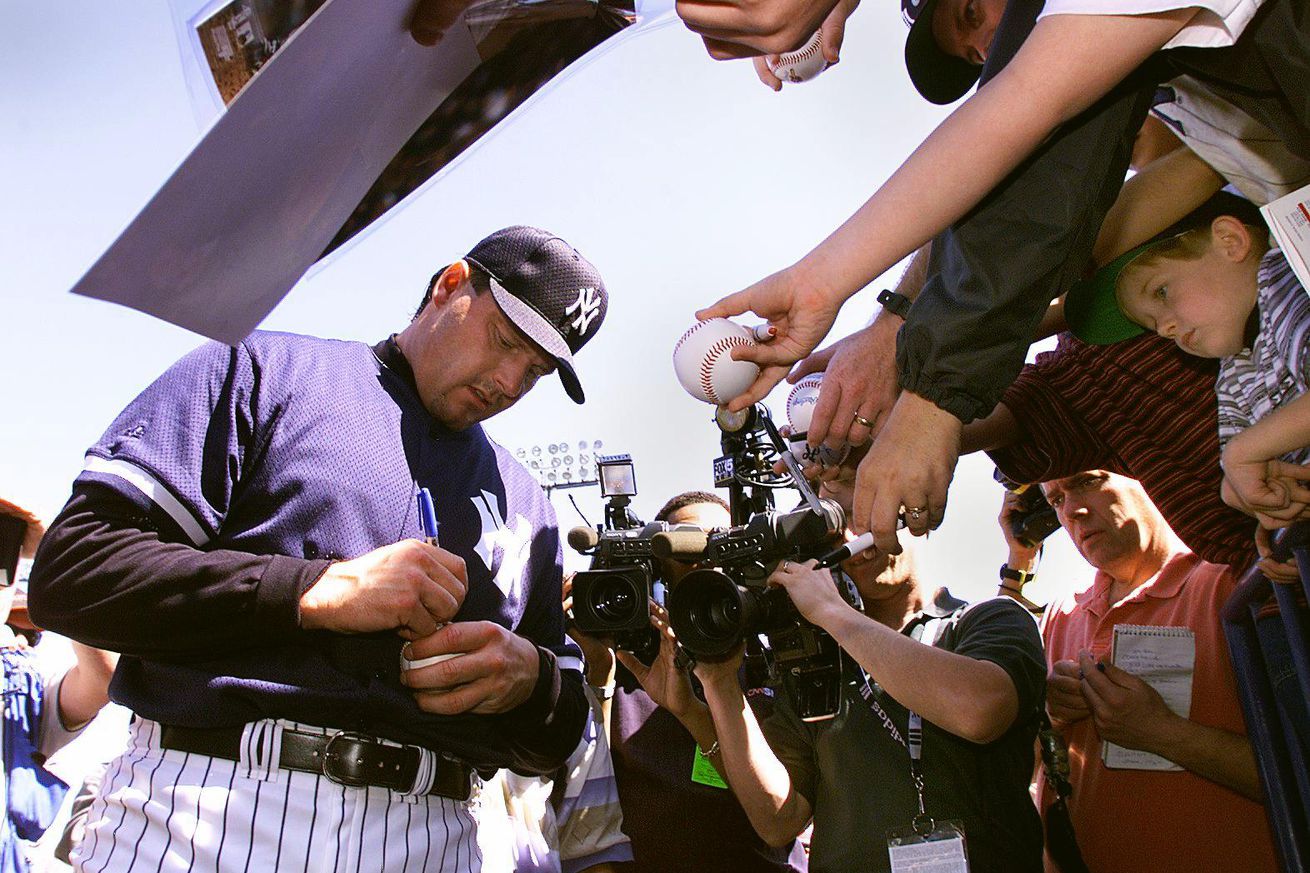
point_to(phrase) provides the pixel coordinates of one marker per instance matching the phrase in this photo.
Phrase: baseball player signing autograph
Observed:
(247, 534)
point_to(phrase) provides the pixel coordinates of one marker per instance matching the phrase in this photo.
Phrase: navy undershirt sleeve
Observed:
(116, 576)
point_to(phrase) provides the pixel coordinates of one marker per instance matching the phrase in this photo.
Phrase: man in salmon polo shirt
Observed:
(1181, 792)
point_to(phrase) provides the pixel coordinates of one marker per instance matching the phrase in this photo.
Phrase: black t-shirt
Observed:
(857, 778)
(677, 825)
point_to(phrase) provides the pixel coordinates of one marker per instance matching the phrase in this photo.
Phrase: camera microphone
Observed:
(583, 539)
(680, 545)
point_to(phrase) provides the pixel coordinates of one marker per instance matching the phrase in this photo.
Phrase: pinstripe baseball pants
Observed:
(162, 810)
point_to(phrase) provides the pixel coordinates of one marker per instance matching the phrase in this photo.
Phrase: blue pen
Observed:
(427, 519)
(427, 516)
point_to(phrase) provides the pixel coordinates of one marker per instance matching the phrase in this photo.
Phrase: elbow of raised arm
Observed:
(44, 601)
(989, 718)
(779, 837)
(780, 830)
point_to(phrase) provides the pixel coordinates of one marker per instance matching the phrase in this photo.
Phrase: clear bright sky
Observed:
(681, 178)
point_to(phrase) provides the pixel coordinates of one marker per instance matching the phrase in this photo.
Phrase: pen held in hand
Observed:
(861, 543)
(427, 519)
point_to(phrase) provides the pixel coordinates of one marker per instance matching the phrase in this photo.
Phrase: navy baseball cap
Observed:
(939, 77)
(1091, 308)
(548, 290)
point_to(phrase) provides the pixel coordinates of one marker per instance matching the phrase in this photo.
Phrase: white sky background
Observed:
(681, 178)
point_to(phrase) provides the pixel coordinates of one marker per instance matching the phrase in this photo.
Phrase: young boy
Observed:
(1215, 285)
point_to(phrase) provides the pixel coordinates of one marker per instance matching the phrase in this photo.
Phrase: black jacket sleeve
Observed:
(998, 267)
(546, 728)
(112, 575)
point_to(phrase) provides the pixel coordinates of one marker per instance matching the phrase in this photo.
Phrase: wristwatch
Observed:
(1020, 576)
(897, 304)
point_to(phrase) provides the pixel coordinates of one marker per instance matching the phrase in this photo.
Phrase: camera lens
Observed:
(709, 613)
(719, 617)
(614, 601)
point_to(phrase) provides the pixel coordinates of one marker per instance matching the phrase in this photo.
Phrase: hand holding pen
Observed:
(427, 518)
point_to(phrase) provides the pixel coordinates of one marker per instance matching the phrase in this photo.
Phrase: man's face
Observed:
(474, 362)
(965, 28)
(707, 516)
(1107, 516)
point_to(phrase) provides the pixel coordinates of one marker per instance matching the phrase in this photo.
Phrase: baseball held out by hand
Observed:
(704, 363)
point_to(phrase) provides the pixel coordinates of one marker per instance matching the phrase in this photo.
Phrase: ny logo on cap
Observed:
(587, 306)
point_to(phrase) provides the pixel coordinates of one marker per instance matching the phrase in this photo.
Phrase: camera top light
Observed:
(618, 477)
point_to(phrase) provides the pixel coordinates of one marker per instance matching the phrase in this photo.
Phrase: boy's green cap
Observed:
(1090, 307)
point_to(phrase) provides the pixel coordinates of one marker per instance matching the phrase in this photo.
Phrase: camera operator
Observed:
(974, 676)
(677, 810)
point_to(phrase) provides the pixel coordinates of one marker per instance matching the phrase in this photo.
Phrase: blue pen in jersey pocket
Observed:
(427, 519)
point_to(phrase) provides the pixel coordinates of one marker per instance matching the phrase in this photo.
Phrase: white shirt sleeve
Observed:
(1216, 23)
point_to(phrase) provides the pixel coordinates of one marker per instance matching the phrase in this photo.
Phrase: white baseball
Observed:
(801, 401)
(803, 64)
(704, 364)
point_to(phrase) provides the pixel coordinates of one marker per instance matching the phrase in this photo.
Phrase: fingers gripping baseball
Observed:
(408, 586)
(764, 71)
(834, 29)
(801, 310)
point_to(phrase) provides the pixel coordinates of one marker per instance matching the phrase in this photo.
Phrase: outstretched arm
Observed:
(1066, 64)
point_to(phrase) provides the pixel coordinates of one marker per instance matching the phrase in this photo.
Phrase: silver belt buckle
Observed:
(333, 754)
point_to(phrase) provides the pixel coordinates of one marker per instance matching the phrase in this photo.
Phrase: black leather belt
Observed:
(344, 757)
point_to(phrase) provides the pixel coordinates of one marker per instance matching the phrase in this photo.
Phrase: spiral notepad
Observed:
(1164, 658)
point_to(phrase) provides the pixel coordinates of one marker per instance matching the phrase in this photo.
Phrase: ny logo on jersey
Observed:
(514, 543)
(587, 306)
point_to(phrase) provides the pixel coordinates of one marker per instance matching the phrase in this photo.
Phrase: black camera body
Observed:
(727, 603)
(611, 599)
(1034, 520)
(716, 608)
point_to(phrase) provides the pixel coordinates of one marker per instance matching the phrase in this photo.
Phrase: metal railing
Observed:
(1268, 629)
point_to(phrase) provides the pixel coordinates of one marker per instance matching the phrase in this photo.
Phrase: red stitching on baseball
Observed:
(711, 358)
(806, 51)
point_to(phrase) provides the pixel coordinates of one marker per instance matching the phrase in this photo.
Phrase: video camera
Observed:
(727, 602)
(611, 598)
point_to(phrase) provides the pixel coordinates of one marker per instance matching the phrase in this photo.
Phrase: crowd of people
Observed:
(324, 675)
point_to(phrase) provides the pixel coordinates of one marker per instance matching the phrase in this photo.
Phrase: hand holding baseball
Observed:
(487, 669)
(802, 403)
(703, 360)
(803, 313)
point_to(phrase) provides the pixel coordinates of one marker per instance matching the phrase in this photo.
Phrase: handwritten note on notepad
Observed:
(1164, 658)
